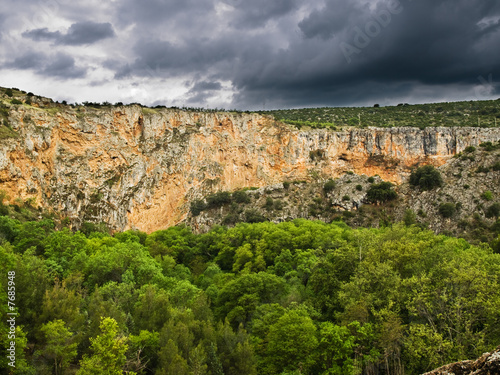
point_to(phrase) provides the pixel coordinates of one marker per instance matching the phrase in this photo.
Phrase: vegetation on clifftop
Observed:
(471, 113)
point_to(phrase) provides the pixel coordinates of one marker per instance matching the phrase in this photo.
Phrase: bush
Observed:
(470, 149)
(488, 146)
(9, 93)
(197, 206)
(231, 219)
(409, 218)
(317, 155)
(493, 210)
(496, 166)
(329, 186)
(241, 197)
(482, 169)
(359, 188)
(16, 101)
(269, 204)
(487, 195)
(371, 180)
(447, 209)
(253, 216)
(382, 192)
(346, 198)
(286, 184)
(218, 199)
(426, 178)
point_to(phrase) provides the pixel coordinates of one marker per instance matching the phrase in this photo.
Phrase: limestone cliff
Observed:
(135, 167)
(488, 364)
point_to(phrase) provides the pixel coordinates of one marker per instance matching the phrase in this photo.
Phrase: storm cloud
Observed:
(79, 33)
(251, 55)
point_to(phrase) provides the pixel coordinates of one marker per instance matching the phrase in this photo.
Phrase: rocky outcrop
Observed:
(135, 167)
(488, 364)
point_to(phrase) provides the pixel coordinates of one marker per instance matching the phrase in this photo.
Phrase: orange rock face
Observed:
(139, 168)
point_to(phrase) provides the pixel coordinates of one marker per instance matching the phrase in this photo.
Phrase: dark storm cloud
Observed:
(256, 13)
(87, 33)
(80, 33)
(2, 21)
(205, 86)
(285, 52)
(426, 42)
(30, 60)
(148, 13)
(59, 66)
(63, 66)
(333, 17)
(160, 58)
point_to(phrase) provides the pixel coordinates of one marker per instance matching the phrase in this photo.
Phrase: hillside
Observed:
(470, 188)
(468, 114)
(253, 247)
(136, 167)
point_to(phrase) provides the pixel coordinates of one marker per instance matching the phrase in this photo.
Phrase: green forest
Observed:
(300, 297)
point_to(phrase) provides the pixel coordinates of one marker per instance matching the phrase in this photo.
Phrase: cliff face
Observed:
(139, 168)
(487, 364)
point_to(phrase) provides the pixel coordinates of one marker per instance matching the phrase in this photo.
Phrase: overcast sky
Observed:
(252, 54)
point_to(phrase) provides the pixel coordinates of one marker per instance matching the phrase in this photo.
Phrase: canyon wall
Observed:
(134, 167)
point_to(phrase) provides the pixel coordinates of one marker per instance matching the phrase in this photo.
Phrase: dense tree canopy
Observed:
(296, 297)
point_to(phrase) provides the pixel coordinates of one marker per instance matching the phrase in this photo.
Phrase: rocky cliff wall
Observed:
(133, 167)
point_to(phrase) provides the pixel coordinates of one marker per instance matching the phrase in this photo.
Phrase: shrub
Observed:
(487, 195)
(278, 205)
(218, 199)
(197, 206)
(346, 198)
(269, 204)
(426, 178)
(447, 209)
(16, 101)
(253, 216)
(371, 180)
(381, 192)
(286, 184)
(241, 197)
(496, 166)
(470, 149)
(329, 186)
(359, 188)
(231, 219)
(409, 218)
(482, 169)
(9, 93)
(317, 155)
(493, 210)
(488, 146)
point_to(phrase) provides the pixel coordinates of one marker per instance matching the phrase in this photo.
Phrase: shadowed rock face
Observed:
(139, 168)
(488, 364)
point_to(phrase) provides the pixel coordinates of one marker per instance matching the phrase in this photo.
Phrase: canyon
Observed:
(136, 167)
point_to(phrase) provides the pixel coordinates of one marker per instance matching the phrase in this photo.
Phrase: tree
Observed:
(108, 349)
(379, 193)
(447, 210)
(426, 178)
(292, 341)
(336, 349)
(60, 346)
